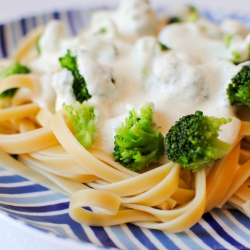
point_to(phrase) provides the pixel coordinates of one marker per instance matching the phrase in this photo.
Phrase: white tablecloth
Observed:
(14, 235)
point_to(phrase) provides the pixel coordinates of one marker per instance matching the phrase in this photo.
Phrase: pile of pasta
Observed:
(166, 197)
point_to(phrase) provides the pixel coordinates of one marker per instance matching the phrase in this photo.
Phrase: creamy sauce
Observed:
(124, 67)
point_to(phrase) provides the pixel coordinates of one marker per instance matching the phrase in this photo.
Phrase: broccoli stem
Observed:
(222, 148)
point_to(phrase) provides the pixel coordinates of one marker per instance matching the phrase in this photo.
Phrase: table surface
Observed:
(33, 7)
(14, 235)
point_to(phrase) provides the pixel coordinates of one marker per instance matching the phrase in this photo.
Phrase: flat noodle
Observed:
(16, 112)
(137, 184)
(221, 177)
(26, 125)
(44, 117)
(245, 129)
(246, 208)
(171, 203)
(240, 177)
(244, 156)
(160, 192)
(68, 186)
(179, 219)
(169, 215)
(106, 201)
(63, 165)
(12, 165)
(243, 193)
(16, 81)
(60, 163)
(183, 195)
(237, 203)
(79, 177)
(28, 142)
(107, 158)
(28, 43)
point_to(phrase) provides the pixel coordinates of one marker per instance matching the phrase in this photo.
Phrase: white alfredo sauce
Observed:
(124, 67)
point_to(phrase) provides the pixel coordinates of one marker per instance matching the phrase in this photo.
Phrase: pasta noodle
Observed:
(164, 197)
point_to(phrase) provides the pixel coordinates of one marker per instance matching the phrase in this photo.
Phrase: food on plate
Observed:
(141, 118)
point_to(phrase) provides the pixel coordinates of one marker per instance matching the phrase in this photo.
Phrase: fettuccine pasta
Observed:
(103, 192)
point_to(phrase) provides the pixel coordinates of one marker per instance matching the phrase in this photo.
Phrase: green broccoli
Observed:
(13, 69)
(192, 16)
(137, 144)
(174, 19)
(238, 90)
(193, 141)
(227, 39)
(163, 47)
(79, 85)
(81, 117)
(236, 57)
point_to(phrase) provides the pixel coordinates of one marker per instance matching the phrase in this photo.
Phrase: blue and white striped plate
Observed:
(47, 211)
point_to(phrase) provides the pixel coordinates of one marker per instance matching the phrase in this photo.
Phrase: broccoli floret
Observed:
(137, 144)
(193, 141)
(13, 69)
(194, 14)
(227, 39)
(174, 19)
(163, 47)
(238, 90)
(79, 85)
(81, 117)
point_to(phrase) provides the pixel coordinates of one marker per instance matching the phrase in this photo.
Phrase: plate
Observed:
(46, 212)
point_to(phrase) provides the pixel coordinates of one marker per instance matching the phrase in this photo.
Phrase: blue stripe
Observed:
(221, 232)
(79, 19)
(164, 239)
(23, 26)
(44, 19)
(38, 209)
(240, 217)
(123, 237)
(205, 236)
(78, 231)
(11, 179)
(61, 219)
(3, 42)
(71, 23)
(57, 229)
(230, 224)
(36, 227)
(13, 34)
(56, 15)
(38, 199)
(187, 240)
(33, 21)
(102, 236)
(137, 232)
(22, 190)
